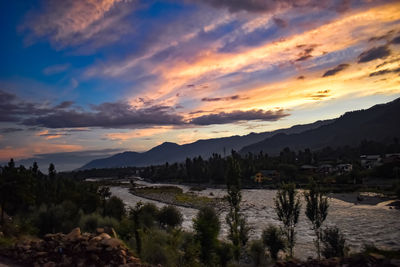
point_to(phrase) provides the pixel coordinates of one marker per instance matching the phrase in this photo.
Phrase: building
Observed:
(343, 168)
(370, 161)
(266, 175)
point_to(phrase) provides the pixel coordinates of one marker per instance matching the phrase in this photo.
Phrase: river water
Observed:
(361, 224)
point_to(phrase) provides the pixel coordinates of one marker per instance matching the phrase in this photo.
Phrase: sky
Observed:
(88, 78)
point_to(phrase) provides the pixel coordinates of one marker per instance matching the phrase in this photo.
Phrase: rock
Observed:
(112, 243)
(49, 264)
(377, 257)
(100, 230)
(74, 234)
(104, 236)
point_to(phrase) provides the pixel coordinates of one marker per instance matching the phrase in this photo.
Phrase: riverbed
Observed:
(361, 224)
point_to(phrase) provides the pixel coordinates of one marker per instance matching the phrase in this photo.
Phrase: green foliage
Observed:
(170, 216)
(115, 208)
(257, 252)
(333, 243)
(90, 222)
(287, 207)
(238, 230)
(272, 238)
(316, 211)
(207, 226)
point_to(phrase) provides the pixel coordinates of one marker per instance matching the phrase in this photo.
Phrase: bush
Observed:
(170, 216)
(90, 222)
(115, 208)
(333, 243)
(272, 238)
(207, 226)
(225, 253)
(257, 252)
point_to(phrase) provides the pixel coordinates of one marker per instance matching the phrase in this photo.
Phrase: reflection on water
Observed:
(361, 224)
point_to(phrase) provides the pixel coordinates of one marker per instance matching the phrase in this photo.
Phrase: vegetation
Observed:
(238, 230)
(287, 206)
(272, 238)
(207, 226)
(316, 211)
(333, 243)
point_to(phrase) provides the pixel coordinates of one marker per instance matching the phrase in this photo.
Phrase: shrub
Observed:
(257, 252)
(272, 238)
(115, 208)
(90, 222)
(170, 216)
(333, 243)
(207, 226)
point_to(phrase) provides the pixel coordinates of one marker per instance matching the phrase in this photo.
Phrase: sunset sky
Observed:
(95, 77)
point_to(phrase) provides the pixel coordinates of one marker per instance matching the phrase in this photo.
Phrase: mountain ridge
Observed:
(202, 147)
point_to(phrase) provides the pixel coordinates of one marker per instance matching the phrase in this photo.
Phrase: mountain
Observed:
(378, 123)
(172, 152)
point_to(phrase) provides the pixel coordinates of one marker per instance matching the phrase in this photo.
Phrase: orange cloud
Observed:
(137, 133)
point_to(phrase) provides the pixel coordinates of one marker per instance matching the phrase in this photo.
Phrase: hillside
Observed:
(172, 152)
(378, 123)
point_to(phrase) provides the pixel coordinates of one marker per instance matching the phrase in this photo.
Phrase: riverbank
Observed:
(174, 195)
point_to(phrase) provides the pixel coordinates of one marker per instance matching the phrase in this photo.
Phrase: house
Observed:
(266, 175)
(370, 161)
(326, 168)
(343, 168)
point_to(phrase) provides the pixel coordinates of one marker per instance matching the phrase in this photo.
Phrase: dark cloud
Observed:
(64, 105)
(210, 99)
(320, 95)
(266, 5)
(374, 53)
(306, 53)
(236, 116)
(64, 115)
(108, 115)
(382, 37)
(396, 40)
(383, 72)
(280, 22)
(335, 70)
(10, 130)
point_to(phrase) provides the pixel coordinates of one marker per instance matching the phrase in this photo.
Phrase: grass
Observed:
(175, 195)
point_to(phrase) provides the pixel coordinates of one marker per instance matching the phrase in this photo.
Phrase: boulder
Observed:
(74, 234)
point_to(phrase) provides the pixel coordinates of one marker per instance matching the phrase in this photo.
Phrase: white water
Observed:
(361, 224)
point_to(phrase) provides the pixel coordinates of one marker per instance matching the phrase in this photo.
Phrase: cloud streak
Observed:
(238, 115)
(335, 70)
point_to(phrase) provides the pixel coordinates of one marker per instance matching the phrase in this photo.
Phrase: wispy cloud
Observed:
(70, 22)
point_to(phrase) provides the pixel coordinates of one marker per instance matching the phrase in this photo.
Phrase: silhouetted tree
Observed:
(287, 206)
(316, 211)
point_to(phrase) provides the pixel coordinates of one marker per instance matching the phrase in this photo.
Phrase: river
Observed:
(361, 224)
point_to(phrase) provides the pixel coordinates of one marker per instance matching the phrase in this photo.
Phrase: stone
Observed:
(104, 236)
(112, 243)
(49, 264)
(74, 234)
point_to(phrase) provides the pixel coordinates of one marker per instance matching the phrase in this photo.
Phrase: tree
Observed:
(273, 240)
(316, 211)
(287, 207)
(238, 230)
(333, 243)
(104, 193)
(115, 207)
(207, 226)
(170, 216)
